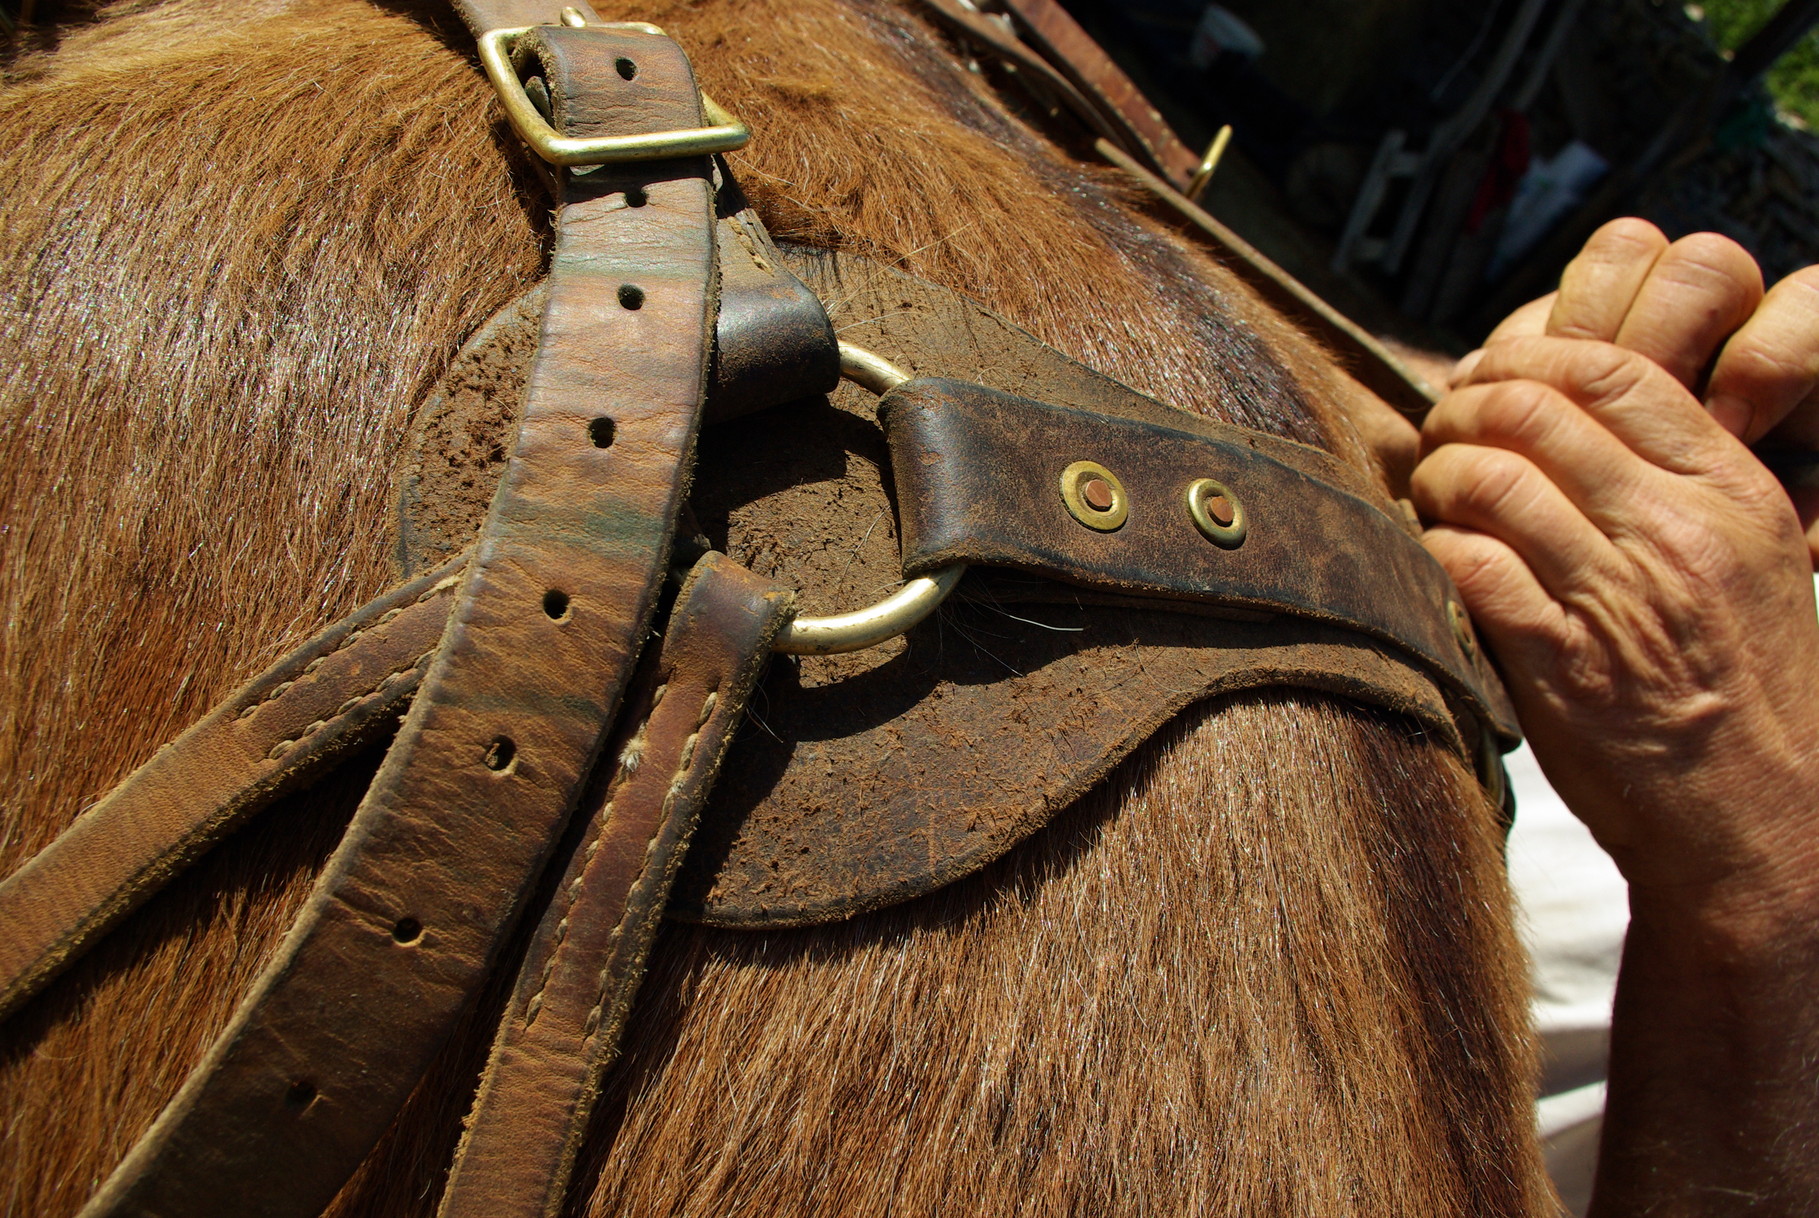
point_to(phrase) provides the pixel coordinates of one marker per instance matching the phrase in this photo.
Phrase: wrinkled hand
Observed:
(1644, 580)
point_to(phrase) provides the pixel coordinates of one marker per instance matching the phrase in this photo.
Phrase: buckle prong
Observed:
(724, 134)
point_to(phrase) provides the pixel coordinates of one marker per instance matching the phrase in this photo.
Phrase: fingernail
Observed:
(1465, 367)
(1733, 413)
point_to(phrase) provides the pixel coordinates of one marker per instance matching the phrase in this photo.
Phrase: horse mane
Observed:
(1267, 967)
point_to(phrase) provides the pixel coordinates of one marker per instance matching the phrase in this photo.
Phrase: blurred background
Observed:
(1427, 165)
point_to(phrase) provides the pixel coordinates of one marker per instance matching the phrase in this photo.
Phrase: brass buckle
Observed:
(726, 133)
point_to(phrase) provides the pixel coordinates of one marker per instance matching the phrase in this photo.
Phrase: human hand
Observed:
(1642, 577)
(1681, 305)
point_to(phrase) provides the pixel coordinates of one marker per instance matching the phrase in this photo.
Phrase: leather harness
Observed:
(1169, 558)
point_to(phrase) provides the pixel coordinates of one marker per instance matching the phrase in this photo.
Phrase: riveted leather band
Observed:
(552, 610)
(339, 691)
(576, 985)
(978, 476)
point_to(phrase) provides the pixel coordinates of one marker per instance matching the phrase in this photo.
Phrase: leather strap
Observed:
(333, 695)
(1050, 87)
(1059, 39)
(1065, 68)
(773, 342)
(484, 15)
(562, 1029)
(978, 477)
(407, 917)
(1368, 360)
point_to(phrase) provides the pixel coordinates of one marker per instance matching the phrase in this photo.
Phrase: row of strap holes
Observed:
(501, 750)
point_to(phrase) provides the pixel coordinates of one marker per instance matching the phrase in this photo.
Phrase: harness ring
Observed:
(904, 608)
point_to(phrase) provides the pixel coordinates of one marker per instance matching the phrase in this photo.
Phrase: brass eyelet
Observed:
(1094, 496)
(1217, 513)
(1462, 629)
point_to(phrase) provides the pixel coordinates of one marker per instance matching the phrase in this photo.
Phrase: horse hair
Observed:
(1267, 968)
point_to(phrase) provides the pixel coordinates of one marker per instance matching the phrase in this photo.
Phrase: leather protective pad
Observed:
(866, 779)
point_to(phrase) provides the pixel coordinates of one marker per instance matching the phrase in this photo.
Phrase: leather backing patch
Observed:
(866, 779)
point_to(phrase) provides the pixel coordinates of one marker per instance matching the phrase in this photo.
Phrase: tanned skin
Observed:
(1646, 584)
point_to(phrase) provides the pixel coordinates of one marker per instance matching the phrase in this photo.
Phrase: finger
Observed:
(1508, 605)
(1598, 285)
(1597, 472)
(1530, 319)
(1525, 322)
(1629, 394)
(1699, 291)
(1505, 495)
(1767, 376)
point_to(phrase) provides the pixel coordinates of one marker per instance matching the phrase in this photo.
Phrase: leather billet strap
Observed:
(330, 697)
(978, 476)
(1060, 40)
(772, 343)
(1064, 68)
(408, 916)
(575, 988)
(484, 15)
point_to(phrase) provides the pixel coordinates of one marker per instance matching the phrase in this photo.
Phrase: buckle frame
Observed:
(724, 135)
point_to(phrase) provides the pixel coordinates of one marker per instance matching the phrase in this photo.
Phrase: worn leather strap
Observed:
(772, 343)
(978, 478)
(333, 695)
(407, 916)
(484, 15)
(1359, 353)
(575, 988)
(1059, 39)
(1063, 67)
(1037, 75)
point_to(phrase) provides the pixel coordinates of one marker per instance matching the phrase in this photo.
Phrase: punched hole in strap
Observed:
(406, 931)
(625, 67)
(499, 754)
(631, 296)
(555, 604)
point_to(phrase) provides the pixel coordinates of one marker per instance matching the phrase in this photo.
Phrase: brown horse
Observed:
(1266, 968)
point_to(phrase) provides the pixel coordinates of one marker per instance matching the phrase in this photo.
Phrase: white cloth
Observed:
(1573, 908)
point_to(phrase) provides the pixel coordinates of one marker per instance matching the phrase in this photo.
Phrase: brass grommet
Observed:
(1094, 496)
(1462, 629)
(1216, 512)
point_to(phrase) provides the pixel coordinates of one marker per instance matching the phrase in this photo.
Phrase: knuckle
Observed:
(1713, 251)
(1605, 373)
(1804, 282)
(1624, 239)
(1486, 483)
(1519, 411)
(1761, 359)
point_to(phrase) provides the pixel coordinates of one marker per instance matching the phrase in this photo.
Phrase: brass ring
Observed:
(1200, 495)
(896, 613)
